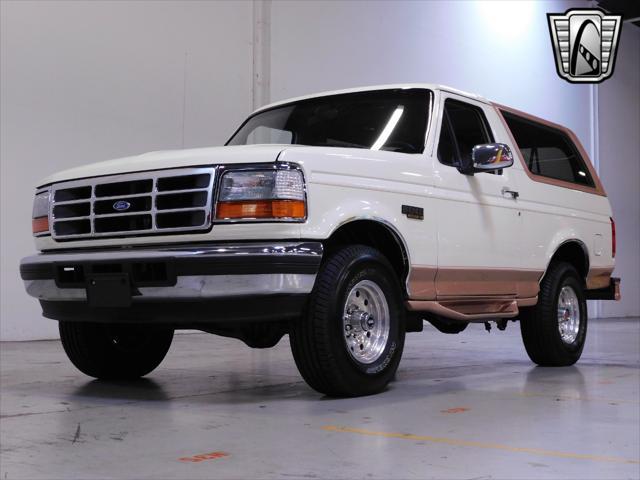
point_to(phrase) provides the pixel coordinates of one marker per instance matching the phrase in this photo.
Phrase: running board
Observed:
(467, 310)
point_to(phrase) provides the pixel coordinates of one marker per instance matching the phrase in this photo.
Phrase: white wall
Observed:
(500, 50)
(88, 81)
(619, 135)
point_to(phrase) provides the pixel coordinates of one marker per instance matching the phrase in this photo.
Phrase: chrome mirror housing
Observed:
(490, 157)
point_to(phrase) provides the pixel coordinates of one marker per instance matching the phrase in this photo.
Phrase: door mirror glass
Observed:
(490, 157)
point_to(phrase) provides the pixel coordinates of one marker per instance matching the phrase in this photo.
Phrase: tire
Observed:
(114, 352)
(331, 347)
(540, 325)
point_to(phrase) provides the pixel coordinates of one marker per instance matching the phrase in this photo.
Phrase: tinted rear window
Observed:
(547, 151)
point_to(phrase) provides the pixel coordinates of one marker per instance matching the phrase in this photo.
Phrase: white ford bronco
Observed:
(343, 219)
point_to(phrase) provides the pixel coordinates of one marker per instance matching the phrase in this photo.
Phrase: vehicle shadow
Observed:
(138, 389)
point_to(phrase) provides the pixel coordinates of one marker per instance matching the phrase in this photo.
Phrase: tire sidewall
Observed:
(570, 279)
(368, 267)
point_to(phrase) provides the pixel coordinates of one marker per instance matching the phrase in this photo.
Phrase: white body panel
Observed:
(473, 213)
(352, 184)
(468, 221)
(551, 215)
(171, 159)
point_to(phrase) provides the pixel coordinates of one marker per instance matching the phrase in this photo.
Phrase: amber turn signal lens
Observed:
(40, 225)
(261, 209)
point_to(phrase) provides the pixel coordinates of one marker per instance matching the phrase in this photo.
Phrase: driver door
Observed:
(478, 219)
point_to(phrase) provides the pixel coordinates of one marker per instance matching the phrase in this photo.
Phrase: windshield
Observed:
(393, 120)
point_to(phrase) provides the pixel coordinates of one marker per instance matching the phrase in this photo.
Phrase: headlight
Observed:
(262, 195)
(40, 216)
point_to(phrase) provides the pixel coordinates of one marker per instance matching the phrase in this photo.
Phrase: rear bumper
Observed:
(611, 292)
(188, 285)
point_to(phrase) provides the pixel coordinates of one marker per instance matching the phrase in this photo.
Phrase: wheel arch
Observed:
(575, 252)
(376, 233)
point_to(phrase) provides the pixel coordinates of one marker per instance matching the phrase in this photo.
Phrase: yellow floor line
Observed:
(468, 443)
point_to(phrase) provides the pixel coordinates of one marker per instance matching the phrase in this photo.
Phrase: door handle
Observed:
(508, 191)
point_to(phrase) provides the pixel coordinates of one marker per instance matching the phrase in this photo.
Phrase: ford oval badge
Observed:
(121, 206)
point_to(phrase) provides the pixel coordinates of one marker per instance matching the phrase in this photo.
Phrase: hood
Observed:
(172, 159)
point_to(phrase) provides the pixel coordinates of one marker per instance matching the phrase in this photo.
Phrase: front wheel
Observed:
(350, 341)
(114, 352)
(555, 330)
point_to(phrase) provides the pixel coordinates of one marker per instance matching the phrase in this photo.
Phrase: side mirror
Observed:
(490, 157)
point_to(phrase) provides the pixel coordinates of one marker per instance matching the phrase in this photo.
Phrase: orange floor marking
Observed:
(204, 456)
(455, 410)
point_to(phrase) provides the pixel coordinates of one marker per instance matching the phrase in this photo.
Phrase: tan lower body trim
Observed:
(431, 283)
(422, 282)
(468, 310)
(487, 281)
(527, 302)
(473, 309)
(472, 294)
(599, 277)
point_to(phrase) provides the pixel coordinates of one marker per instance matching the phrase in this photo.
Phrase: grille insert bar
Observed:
(186, 182)
(78, 193)
(164, 201)
(181, 200)
(127, 223)
(72, 210)
(124, 188)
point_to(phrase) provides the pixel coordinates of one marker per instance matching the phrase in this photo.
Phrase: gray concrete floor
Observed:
(463, 406)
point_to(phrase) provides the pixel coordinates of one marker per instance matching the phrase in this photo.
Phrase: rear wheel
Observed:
(350, 341)
(114, 351)
(555, 330)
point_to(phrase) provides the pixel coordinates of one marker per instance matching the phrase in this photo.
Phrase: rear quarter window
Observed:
(547, 151)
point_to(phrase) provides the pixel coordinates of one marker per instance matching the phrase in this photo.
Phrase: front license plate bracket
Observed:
(109, 290)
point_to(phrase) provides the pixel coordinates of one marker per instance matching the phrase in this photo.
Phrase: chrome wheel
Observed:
(568, 314)
(366, 322)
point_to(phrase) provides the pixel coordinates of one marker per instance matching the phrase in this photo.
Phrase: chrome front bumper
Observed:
(192, 287)
(181, 273)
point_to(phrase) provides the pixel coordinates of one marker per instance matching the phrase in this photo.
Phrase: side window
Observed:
(447, 151)
(548, 151)
(463, 127)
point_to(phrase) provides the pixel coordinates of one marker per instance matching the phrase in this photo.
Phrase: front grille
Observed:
(163, 201)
